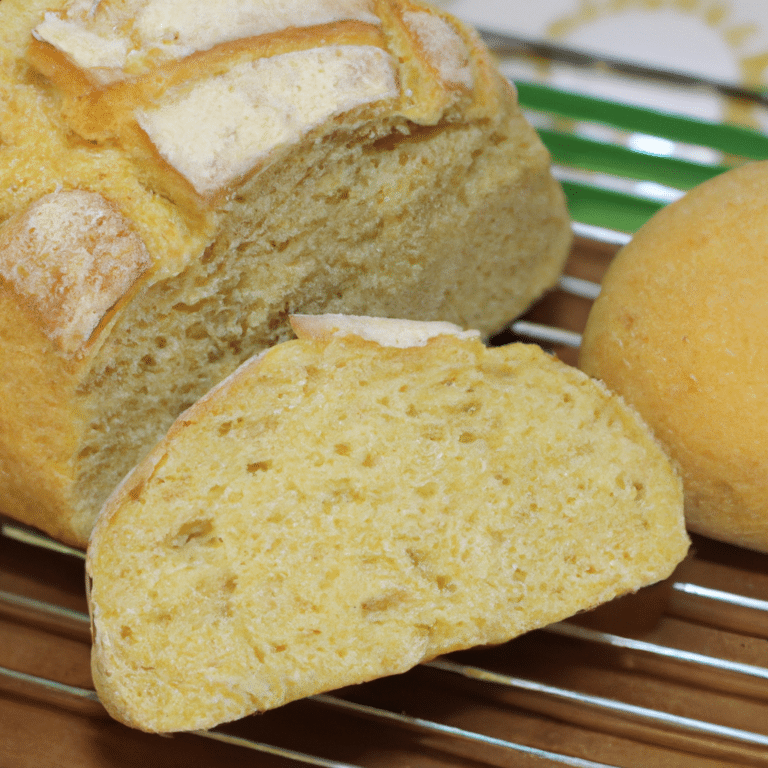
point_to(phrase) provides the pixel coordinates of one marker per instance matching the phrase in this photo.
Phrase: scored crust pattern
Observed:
(141, 71)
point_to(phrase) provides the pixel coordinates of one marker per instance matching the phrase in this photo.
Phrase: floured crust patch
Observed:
(118, 38)
(209, 90)
(224, 125)
(442, 47)
(389, 332)
(70, 257)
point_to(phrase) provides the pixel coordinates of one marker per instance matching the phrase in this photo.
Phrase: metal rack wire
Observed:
(689, 686)
(673, 676)
(570, 675)
(692, 606)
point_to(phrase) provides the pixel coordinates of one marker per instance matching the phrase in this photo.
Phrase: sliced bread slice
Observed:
(340, 509)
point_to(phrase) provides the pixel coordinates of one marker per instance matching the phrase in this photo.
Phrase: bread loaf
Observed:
(342, 508)
(176, 177)
(680, 330)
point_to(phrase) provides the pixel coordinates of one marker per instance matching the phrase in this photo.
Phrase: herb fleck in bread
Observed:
(340, 509)
(177, 177)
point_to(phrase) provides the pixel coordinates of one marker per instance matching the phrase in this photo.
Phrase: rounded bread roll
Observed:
(680, 329)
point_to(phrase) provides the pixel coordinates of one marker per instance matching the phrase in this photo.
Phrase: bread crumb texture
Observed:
(680, 330)
(246, 160)
(338, 510)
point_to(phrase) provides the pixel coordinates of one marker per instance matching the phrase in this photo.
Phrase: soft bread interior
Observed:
(426, 196)
(340, 510)
(308, 237)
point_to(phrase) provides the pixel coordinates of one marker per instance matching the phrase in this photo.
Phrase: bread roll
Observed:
(680, 330)
(177, 176)
(341, 509)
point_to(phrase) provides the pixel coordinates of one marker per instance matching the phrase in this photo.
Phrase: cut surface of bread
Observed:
(338, 510)
(171, 189)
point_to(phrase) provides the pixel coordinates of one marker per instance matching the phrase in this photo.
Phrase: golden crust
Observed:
(112, 111)
(680, 329)
(440, 66)
(39, 430)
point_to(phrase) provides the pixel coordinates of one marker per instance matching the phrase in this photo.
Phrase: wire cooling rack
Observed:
(675, 675)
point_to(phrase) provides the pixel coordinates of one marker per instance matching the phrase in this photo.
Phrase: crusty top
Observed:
(214, 89)
(116, 39)
(162, 107)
